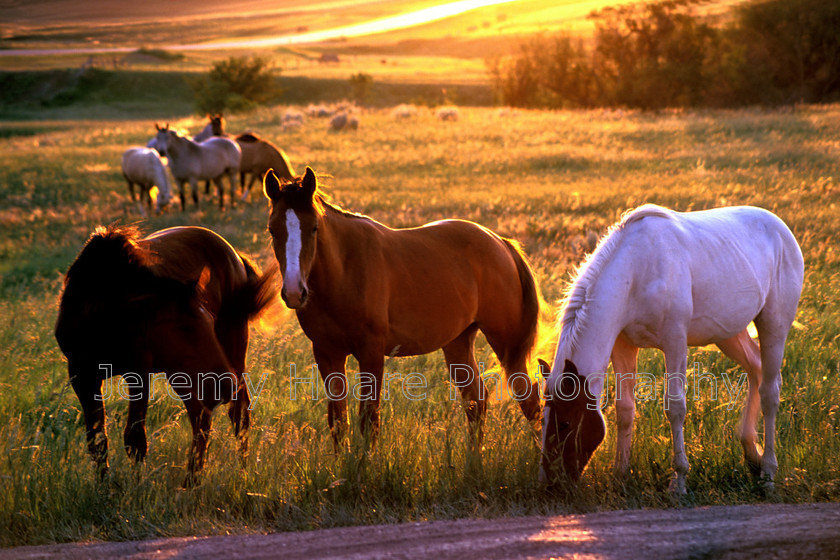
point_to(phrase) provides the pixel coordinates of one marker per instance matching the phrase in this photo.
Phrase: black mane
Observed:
(112, 267)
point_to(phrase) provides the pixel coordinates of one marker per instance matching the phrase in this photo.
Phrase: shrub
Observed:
(661, 54)
(235, 84)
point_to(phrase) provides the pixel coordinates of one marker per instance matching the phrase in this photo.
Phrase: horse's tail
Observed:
(531, 300)
(255, 295)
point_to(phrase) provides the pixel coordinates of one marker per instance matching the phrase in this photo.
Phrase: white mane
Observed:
(573, 315)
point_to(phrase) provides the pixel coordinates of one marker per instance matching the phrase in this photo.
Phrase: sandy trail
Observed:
(732, 532)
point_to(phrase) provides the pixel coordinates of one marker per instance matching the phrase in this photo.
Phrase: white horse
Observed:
(143, 166)
(192, 162)
(668, 280)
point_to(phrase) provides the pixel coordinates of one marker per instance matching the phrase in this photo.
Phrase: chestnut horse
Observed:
(669, 280)
(258, 156)
(177, 301)
(361, 288)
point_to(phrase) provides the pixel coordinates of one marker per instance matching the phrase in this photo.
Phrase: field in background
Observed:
(552, 180)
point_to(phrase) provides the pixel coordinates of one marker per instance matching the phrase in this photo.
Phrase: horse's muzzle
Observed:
(294, 299)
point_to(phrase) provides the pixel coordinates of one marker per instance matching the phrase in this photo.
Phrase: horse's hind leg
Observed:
(746, 353)
(194, 189)
(200, 418)
(240, 417)
(772, 326)
(234, 341)
(464, 374)
(182, 193)
(134, 435)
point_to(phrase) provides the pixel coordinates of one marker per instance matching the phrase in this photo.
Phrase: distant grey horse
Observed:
(193, 162)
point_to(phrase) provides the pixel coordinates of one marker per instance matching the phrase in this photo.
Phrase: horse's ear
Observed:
(271, 185)
(157, 127)
(203, 279)
(200, 285)
(309, 183)
(545, 368)
(570, 367)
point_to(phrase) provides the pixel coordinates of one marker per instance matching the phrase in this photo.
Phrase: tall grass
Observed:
(554, 181)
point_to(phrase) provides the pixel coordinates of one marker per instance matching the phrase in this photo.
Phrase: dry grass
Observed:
(552, 180)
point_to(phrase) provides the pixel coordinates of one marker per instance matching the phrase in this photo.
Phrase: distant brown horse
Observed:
(258, 156)
(177, 301)
(362, 288)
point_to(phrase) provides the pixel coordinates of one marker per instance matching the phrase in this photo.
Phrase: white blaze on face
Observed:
(291, 276)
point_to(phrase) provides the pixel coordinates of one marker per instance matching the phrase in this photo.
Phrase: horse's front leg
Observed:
(194, 190)
(232, 180)
(183, 194)
(623, 358)
(674, 400)
(134, 435)
(332, 369)
(89, 392)
(464, 374)
(246, 189)
(371, 370)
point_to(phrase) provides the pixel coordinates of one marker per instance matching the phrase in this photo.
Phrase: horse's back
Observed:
(721, 266)
(425, 286)
(183, 253)
(141, 164)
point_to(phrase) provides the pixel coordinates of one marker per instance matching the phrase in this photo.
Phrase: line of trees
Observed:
(663, 54)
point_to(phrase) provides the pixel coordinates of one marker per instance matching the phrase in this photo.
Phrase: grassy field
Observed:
(552, 180)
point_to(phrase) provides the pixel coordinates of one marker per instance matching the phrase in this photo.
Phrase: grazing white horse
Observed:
(143, 167)
(192, 162)
(669, 280)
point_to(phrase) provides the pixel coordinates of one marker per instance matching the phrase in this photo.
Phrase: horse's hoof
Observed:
(191, 480)
(677, 487)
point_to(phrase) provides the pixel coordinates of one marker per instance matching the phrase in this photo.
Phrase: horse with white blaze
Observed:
(668, 280)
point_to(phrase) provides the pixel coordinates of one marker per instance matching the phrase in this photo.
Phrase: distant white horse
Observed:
(668, 280)
(143, 167)
(192, 162)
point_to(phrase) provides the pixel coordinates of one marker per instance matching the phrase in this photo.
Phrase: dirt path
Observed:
(733, 532)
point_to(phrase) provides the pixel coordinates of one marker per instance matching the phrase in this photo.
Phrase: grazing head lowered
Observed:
(177, 301)
(573, 426)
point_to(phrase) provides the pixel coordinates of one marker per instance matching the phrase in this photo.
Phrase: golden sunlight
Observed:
(391, 23)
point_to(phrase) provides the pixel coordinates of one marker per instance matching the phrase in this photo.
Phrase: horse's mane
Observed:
(248, 137)
(322, 202)
(112, 267)
(573, 315)
(107, 249)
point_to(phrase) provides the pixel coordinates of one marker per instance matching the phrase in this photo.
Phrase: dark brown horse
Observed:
(177, 301)
(361, 288)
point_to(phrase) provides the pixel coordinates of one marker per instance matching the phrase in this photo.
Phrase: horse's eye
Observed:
(315, 229)
(562, 426)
